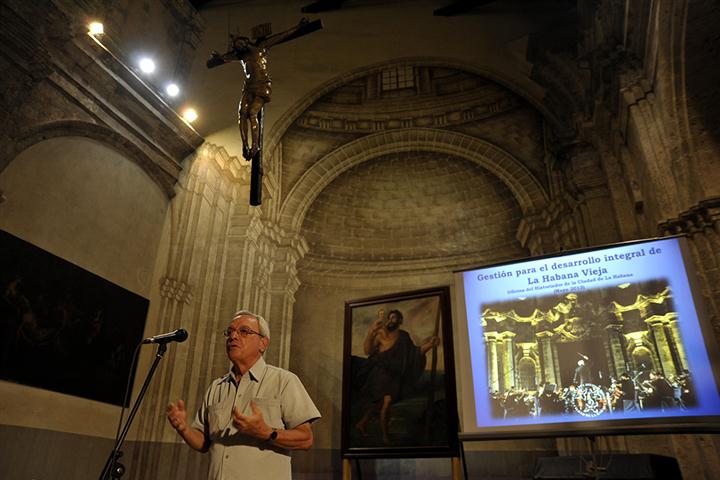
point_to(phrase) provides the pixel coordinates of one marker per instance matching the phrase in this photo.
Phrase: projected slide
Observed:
(609, 334)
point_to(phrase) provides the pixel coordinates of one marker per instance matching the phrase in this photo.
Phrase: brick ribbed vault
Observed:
(525, 187)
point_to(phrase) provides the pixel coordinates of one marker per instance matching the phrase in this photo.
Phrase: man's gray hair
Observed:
(264, 327)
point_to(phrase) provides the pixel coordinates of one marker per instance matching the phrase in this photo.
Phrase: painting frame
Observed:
(422, 421)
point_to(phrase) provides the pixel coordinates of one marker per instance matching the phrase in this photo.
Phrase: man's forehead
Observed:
(244, 319)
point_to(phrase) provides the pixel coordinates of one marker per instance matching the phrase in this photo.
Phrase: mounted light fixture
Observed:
(172, 90)
(190, 115)
(147, 65)
(95, 29)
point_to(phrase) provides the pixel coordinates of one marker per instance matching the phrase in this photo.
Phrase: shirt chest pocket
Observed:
(271, 411)
(218, 418)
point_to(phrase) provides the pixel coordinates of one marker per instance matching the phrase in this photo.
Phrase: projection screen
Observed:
(603, 340)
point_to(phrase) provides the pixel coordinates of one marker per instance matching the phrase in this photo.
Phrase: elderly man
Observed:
(254, 415)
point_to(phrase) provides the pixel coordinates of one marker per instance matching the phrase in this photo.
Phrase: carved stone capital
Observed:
(704, 215)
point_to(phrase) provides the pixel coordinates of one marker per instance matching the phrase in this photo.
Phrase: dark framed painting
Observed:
(63, 328)
(398, 377)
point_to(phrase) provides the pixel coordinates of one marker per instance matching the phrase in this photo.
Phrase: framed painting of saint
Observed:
(398, 376)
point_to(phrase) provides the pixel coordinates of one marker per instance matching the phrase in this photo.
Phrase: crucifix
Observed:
(252, 53)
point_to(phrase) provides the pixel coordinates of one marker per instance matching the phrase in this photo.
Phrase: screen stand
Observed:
(594, 468)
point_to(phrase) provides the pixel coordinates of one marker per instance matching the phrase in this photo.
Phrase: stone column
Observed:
(615, 345)
(547, 356)
(284, 285)
(662, 346)
(558, 376)
(492, 362)
(509, 374)
(674, 334)
(588, 184)
(253, 280)
(190, 296)
(657, 180)
(701, 224)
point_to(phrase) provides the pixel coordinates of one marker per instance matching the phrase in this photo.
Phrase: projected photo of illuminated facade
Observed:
(587, 353)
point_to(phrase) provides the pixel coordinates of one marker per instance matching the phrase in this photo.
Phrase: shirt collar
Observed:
(256, 371)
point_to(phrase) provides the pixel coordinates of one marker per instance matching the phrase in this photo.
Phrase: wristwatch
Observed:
(273, 435)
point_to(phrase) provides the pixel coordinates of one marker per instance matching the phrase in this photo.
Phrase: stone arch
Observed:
(527, 374)
(642, 355)
(74, 128)
(527, 190)
(535, 98)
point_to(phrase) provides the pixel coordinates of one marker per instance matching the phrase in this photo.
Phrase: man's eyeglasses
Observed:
(242, 331)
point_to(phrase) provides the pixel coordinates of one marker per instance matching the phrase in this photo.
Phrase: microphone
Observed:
(178, 335)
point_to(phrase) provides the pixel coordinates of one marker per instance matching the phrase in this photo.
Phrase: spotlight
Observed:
(190, 115)
(147, 65)
(172, 89)
(95, 29)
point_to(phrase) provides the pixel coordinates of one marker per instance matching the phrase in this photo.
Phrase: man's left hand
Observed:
(253, 425)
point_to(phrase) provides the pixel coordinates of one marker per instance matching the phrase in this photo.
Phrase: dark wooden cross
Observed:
(252, 52)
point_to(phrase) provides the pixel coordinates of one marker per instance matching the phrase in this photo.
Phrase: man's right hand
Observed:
(177, 416)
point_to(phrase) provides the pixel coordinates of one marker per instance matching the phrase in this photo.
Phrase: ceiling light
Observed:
(147, 65)
(96, 28)
(190, 115)
(173, 90)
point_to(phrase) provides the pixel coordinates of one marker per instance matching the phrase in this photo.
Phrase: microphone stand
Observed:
(113, 468)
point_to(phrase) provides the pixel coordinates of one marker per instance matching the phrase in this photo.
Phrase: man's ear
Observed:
(264, 344)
